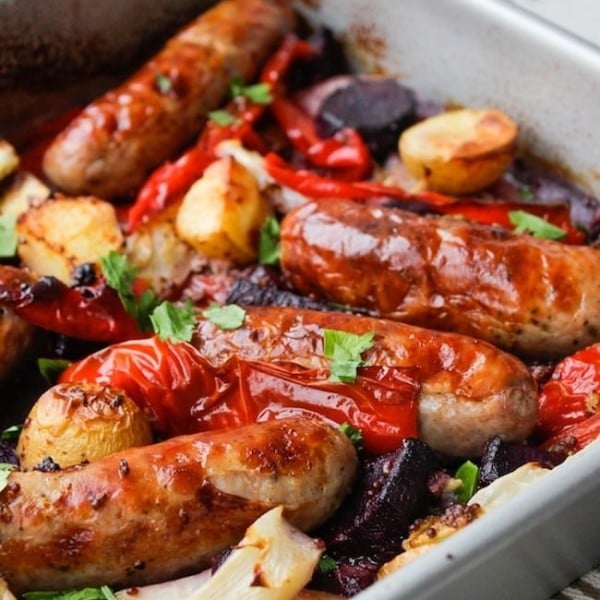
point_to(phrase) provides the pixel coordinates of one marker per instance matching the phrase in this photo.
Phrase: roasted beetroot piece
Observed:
(392, 491)
(500, 458)
(379, 108)
(8, 454)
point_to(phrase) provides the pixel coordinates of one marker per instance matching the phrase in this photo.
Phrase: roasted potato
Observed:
(461, 151)
(9, 160)
(20, 193)
(61, 233)
(77, 422)
(162, 259)
(222, 213)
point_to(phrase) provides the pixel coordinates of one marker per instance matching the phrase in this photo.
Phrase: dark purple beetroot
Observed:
(500, 458)
(392, 491)
(380, 109)
(8, 454)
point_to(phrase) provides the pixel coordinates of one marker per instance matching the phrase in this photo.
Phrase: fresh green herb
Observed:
(174, 323)
(163, 83)
(222, 117)
(525, 194)
(268, 246)
(8, 236)
(230, 316)
(468, 473)
(11, 433)
(259, 93)
(51, 368)
(524, 221)
(353, 434)
(102, 593)
(327, 564)
(344, 351)
(5, 469)
(120, 275)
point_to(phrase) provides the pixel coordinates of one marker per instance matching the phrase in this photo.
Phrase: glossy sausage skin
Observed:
(109, 149)
(153, 513)
(470, 390)
(535, 297)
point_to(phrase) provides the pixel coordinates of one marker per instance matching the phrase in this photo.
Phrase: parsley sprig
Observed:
(167, 320)
(344, 351)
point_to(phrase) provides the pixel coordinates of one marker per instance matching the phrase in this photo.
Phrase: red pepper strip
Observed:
(574, 438)
(168, 183)
(346, 149)
(87, 313)
(183, 393)
(496, 213)
(314, 186)
(572, 394)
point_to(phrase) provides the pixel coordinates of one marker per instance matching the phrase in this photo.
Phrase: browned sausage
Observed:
(470, 390)
(110, 148)
(537, 298)
(153, 513)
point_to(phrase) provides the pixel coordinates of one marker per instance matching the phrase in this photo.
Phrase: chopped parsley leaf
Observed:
(327, 564)
(174, 323)
(51, 368)
(468, 473)
(222, 117)
(354, 435)
(8, 236)
(344, 351)
(11, 433)
(538, 227)
(229, 316)
(163, 83)
(259, 93)
(268, 247)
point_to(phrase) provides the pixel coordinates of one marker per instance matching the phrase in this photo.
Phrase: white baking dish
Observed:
(482, 52)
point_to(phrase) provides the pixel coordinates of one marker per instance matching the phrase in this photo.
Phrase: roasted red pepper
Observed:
(575, 437)
(315, 186)
(497, 213)
(183, 393)
(88, 312)
(345, 153)
(169, 183)
(572, 395)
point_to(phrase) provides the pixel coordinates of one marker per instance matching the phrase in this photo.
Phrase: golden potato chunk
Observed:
(9, 160)
(61, 233)
(461, 151)
(77, 422)
(162, 259)
(20, 193)
(222, 213)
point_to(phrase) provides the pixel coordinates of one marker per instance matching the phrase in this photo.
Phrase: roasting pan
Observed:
(469, 52)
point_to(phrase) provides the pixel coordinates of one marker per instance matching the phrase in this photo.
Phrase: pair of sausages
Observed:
(158, 512)
(469, 390)
(537, 298)
(110, 148)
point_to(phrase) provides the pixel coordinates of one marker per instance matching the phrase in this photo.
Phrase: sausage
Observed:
(109, 149)
(157, 512)
(537, 298)
(469, 390)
